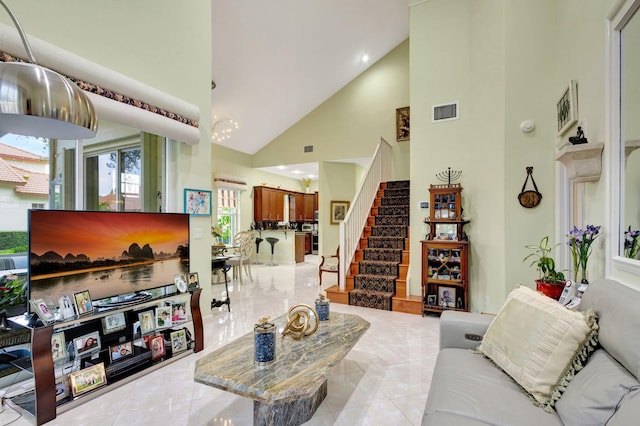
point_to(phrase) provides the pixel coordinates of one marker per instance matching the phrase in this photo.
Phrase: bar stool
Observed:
(273, 242)
(258, 241)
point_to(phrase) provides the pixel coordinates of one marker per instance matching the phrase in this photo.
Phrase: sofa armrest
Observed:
(463, 330)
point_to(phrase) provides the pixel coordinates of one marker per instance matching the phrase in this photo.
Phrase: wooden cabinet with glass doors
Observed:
(445, 253)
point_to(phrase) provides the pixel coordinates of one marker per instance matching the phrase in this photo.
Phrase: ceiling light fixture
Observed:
(36, 101)
(365, 58)
(222, 127)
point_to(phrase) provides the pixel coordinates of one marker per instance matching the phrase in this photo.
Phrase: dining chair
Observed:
(240, 259)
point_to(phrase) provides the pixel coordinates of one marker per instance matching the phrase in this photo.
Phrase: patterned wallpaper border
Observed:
(119, 97)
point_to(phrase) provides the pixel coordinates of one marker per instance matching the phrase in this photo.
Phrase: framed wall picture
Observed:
(113, 323)
(87, 379)
(156, 344)
(194, 283)
(87, 344)
(197, 202)
(147, 322)
(339, 211)
(567, 108)
(120, 351)
(83, 303)
(402, 124)
(446, 296)
(179, 341)
(58, 347)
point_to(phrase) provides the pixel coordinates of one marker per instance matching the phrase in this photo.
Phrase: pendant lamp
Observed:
(36, 101)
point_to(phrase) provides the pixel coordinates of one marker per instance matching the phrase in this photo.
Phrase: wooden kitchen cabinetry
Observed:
(268, 205)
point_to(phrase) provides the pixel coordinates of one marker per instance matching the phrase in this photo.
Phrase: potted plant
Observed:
(550, 282)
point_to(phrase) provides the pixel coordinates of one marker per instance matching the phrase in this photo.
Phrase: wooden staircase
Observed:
(400, 302)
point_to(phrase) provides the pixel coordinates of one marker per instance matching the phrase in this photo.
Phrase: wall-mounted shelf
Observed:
(583, 162)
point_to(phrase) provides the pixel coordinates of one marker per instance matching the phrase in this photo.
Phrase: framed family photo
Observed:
(179, 341)
(113, 323)
(44, 308)
(339, 211)
(147, 322)
(156, 344)
(87, 379)
(83, 303)
(120, 351)
(87, 344)
(446, 296)
(58, 346)
(197, 202)
(62, 387)
(194, 283)
(163, 317)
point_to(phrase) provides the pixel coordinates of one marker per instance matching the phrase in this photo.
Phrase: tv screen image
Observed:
(107, 253)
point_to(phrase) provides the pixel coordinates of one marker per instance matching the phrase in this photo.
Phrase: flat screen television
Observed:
(108, 253)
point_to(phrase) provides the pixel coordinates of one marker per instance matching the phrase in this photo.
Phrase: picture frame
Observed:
(62, 387)
(87, 344)
(194, 282)
(163, 317)
(179, 341)
(567, 108)
(83, 303)
(432, 300)
(114, 322)
(147, 322)
(446, 296)
(44, 308)
(87, 379)
(178, 312)
(180, 280)
(197, 202)
(66, 307)
(403, 124)
(120, 351)
(58, 347)
(156, 344)
(338, 211)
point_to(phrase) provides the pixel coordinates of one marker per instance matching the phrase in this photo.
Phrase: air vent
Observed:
(445, 112)
(308, 148)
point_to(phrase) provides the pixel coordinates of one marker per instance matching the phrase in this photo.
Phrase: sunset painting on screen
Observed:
(107, 252)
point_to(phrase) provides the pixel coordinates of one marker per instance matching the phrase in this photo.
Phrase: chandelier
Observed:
(222, 128)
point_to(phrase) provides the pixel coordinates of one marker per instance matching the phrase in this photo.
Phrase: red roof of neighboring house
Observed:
(36, 183)
(8, 173)
(13, 153)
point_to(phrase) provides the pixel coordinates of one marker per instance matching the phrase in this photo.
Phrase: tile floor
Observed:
(384, 380)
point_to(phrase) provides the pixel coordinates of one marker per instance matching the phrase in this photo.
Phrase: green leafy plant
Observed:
(545, 265)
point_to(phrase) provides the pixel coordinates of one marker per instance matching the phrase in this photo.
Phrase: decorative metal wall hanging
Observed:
(529, 198)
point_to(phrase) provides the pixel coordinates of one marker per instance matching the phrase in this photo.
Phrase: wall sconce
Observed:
(36, 101)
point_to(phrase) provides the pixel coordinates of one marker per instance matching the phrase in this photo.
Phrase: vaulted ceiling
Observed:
(274, 61)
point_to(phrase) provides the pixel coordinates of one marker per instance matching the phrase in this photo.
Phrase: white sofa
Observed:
(468, 389)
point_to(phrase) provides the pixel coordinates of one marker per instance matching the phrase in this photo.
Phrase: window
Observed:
(113, 180)
(228, 214)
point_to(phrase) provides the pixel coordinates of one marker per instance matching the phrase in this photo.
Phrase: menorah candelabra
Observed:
(449, 176)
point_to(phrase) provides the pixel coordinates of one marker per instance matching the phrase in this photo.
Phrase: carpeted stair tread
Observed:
(388, 231)
(370, 299)
(395, 201)
(378, 267)
(396, 192)
(374, 282)
(398, 184)
(389, 255)
(402, 210)
(386, 242)
(391, 220)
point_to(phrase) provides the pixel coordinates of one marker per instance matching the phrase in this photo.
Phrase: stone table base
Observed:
(291, 413)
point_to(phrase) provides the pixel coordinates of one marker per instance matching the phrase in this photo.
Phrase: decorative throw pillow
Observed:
(539, 343)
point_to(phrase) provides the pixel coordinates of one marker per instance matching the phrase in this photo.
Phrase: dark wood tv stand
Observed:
(46, 407)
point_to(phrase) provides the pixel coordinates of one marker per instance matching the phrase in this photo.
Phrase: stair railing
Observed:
(351, 227)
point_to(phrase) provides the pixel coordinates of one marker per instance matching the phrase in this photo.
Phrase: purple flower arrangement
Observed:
(631, 243)
(579, 243)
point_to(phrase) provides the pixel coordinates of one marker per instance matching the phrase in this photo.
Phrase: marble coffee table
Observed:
(289, 390)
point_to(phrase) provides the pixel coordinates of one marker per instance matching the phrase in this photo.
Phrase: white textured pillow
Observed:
(539, 343)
